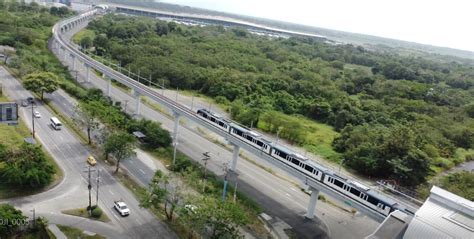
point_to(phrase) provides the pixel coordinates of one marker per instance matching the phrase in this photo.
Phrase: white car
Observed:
(122, 208)
(37, 114)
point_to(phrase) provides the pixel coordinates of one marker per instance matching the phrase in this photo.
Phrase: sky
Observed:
(448, 23)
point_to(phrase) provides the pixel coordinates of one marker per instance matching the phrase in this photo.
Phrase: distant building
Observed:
(443, 215)
(9, 113)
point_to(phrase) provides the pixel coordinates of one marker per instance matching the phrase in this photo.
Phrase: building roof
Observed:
(443, 215)
(139, 134)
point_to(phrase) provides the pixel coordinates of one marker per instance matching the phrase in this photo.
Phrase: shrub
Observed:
(96, 212)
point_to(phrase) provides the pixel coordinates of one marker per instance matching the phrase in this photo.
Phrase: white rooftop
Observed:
(443, 215)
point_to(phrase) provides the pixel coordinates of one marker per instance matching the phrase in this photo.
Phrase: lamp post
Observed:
(205, 159)
(340, 164)
(226, 172)
(33, 118)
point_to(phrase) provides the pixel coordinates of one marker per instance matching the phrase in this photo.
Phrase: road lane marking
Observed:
(110, 191)
(137, 221)
(141, 170)
(294, 189)
(288, 195)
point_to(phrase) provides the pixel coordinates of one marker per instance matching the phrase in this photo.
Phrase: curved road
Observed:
(71, 193)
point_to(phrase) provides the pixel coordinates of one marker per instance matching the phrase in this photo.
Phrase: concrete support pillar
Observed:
(235, 156)
(137, 102)
(312, 203)
(109, 86)
(65, 54)
(175, 135)
(73, 58)
(87, 73)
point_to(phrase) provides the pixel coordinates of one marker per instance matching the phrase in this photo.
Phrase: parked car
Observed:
(30, 100)
(122, 208)
(24, 103)
(37, 114)
(91, 160)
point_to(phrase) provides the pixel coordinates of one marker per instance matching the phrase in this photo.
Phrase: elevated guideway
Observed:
(179, 110)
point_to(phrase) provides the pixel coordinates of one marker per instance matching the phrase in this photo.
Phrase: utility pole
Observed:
(206, 158)
(97, 191)
(90, 187)
(176, 100)
(33, 118)
(125, 107)
(224, 191)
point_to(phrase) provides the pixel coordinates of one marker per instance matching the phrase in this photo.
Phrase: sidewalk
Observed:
(55, 230)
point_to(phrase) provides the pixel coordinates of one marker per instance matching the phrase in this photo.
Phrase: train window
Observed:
(355, 192)
(315, 172)
(373, 200)
(338, 183)
(259, 143)
(295, 161)
(277, 152)
(308, 168)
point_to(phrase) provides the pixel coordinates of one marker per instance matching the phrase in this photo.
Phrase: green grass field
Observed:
(72, 232)
(83, 33)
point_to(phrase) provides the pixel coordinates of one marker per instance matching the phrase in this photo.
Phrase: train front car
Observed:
(360, 193)
(215, 119)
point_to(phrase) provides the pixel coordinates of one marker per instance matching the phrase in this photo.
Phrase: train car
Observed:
(298, 162)
(250, 137)
(360, 193)
(215, 119)
(352, 189)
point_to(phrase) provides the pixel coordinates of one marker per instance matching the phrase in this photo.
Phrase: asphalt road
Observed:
(278, 197)
(71, 193)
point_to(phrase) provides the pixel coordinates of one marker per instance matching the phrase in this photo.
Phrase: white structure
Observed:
(443, 215)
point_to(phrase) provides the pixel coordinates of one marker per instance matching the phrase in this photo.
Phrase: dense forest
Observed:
(334, 35)
(399, 117)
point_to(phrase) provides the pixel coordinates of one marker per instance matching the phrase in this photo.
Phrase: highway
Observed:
(278, 197)
(71, 193)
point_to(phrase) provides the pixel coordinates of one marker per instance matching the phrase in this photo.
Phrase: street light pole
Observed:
(97, 191)
(224, 191)
(90, 187)
(206, 158)
(33, 118)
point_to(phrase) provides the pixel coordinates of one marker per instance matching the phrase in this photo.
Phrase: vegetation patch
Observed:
(84, 212)
(74, 233)
(348, 87)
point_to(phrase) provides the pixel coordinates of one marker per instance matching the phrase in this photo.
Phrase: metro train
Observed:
(352, 189)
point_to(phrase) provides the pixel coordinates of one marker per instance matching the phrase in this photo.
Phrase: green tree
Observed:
(215, 218)
(460, 183)
(86, 42)
(43, 82)
(87, 116)
(161, 193)
(155, 135)
(27, 167)
(11, 219)
(121, 145)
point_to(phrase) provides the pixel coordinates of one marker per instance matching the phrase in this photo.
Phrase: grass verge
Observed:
(83, 212)
(74, 233)
(13, 136)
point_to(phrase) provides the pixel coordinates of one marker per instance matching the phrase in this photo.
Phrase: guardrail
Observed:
(188, 113)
